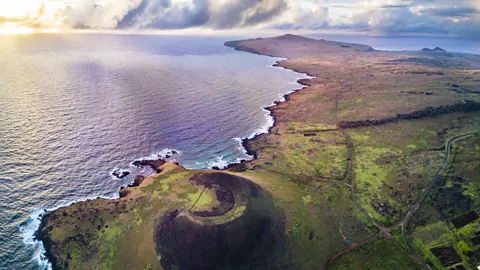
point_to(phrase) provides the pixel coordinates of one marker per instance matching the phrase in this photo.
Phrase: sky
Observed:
(374, 17)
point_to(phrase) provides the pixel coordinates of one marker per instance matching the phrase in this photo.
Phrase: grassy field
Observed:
(349, 160)
(380, 254)
(456, 194)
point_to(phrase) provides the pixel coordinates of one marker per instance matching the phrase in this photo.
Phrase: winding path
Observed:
(385, 232)
(404, 222)
(349, 181)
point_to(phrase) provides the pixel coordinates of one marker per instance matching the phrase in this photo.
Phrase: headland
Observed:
(375, 162)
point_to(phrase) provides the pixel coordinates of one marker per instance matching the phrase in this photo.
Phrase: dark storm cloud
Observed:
(162, 14)
(168, 14)
(395, 6)
(246, 13)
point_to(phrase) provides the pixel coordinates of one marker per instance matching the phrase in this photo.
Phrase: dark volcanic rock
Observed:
(428, 73)
(120, 174)
(239, 167)
(137, 181)
(154, 164)
(42, 234)
(225, 238)
(446, 255)
(384, 209)
(466, 106)
(476, 241)
(450, 200)
(124, 193)
(461, 221)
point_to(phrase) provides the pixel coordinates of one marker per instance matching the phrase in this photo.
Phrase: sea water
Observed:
(73, 108)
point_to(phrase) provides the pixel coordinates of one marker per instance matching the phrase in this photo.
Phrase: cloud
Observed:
(314, 17)
(388, 17)
(394, 6)
(171, 14)
(90, 14)
(246, 13)
(4, 19)
(163, 14)
(399, 17)
(391, 21)
(449, 12)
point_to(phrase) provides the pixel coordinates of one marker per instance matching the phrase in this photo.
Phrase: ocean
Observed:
(73, 108)
(76, 107)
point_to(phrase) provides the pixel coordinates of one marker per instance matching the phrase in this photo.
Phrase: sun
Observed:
(12, 12)
(11, 28)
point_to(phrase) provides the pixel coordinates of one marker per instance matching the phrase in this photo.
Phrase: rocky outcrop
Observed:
(385, 209)
(120, 174)
(436, 49)
(154, 164)
(42, 234)
(137, 181)
(238, 167)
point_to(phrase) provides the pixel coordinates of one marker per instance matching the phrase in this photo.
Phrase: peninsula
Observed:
(374, 165)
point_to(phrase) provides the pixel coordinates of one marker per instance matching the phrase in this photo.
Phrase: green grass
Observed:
(371, 177)
(380, 254)
(434, 234)
(317, 214)
(400, 157)
(325, 155)
(430, 225)
(201, 199)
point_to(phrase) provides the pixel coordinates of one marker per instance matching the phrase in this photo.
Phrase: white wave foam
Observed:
(28, 229)
(219, 162)
(31, 226)
(239, 141)
(282, 98)
(275, 62)
(162, 154)
(116, 169)
(268, 115)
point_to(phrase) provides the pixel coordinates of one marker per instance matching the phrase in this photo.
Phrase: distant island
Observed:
(374, 165)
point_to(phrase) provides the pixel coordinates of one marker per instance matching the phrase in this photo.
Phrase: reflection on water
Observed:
(74, 107)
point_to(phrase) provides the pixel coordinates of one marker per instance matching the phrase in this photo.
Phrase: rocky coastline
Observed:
(149, 200)
(42, 233)
(271, 109)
